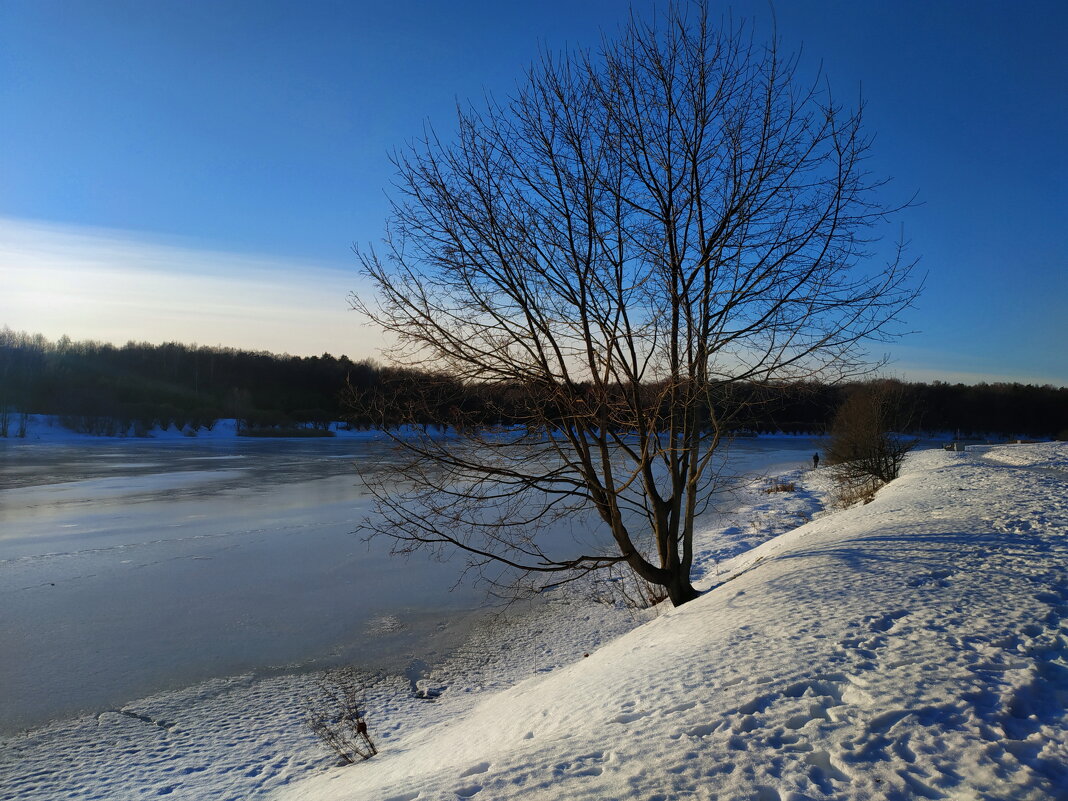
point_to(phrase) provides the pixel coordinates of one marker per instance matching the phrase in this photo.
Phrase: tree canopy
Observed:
(641, 240)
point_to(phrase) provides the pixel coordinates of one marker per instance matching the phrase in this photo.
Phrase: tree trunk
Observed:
(680, 590)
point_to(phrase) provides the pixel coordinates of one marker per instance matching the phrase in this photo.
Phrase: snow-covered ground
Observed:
(915, 647)
(48, 428)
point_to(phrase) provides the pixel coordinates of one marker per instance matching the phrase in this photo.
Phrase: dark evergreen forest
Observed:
(95, 387)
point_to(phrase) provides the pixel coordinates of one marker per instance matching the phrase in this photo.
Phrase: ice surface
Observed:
(119, 577)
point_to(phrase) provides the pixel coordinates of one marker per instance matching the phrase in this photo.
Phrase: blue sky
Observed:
(199, 170)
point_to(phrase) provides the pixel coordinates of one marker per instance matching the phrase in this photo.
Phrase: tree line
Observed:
(96, 387)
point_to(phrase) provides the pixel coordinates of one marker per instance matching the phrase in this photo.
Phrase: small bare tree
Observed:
(867, 444)
(629, 247)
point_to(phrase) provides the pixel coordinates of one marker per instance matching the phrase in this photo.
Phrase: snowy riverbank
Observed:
(914, 647)
(49, 428)
(44, 428)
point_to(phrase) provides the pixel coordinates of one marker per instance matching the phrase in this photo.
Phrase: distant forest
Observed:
(98, 388)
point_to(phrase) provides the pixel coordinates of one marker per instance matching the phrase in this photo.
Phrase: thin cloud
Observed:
(91, 283)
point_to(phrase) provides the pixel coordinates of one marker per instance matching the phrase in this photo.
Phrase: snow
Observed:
(48, 428)
(1044, 455)
(914, 647)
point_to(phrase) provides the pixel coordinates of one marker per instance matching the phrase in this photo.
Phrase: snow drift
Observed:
(913, 647)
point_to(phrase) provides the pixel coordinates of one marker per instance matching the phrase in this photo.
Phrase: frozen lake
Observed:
(133, 566)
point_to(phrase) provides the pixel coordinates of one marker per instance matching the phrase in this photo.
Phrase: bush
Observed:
(779, 486)
(337, 715)
(862, 440)
(853, 488)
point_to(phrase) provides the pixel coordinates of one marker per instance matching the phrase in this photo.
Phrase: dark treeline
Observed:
(101, 388)
(979, 410)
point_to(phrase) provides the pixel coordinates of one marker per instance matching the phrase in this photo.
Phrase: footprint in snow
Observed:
(885, 622)
(825, 769)
(585, 765)
(703, 730)
(684, 707)
(937, 578)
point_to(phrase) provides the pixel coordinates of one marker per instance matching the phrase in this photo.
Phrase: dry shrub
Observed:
(779, 486)
(337, 715)
(853, 487)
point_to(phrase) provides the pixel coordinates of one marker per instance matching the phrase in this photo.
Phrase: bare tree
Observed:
(867, 441)
(632, 245)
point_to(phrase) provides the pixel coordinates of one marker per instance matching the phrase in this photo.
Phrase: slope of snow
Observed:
(911, 648)
(1045, 455)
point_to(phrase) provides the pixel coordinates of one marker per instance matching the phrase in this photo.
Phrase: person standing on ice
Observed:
(815, 460)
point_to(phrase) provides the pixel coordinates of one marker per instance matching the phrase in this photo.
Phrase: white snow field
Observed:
(915, 647)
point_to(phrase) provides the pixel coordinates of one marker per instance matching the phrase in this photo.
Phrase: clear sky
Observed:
(197, 170)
